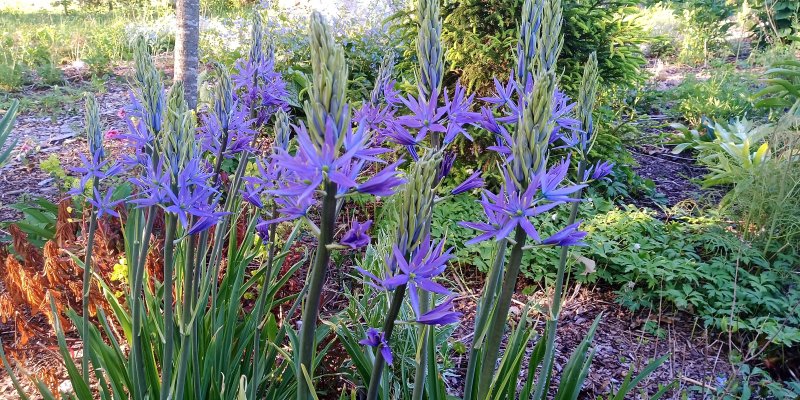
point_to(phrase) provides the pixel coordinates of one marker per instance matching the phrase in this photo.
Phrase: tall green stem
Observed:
(422, 355)
(493, 281)
(186, 317)
(260, 303)
(316, 280)
(169, 323)
(136, 308)
(87, 282)
(388, 327)
(498, 321)
(555, 308)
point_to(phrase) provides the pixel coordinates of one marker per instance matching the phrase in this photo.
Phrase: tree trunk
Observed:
(187, 43)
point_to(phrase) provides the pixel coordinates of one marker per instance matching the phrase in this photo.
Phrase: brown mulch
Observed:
(623, 340)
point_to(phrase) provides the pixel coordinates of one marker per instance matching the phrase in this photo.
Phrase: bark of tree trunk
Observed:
(187, 43)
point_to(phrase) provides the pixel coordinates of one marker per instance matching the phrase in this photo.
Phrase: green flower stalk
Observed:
(430, 56)
(532, 136)
(530, 152)
(327, 101)
(429, 48)
(587, 95)
(526, 41)
(180, 127)
(550, 40)
(94, 136)
(257, 38)
(586, 102)
(414, 218)
(385, 73)
(329, 76)
(151, 89)
(530, 158)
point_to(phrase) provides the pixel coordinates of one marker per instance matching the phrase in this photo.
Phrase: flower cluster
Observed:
(97, 168)
(417, 272)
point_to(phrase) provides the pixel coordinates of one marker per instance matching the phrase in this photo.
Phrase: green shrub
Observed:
(50, 75)
(767, 200)
(610, 28)
(724, 95)
(479, 44)
(704, 25)
(730, 151)
(778, 18)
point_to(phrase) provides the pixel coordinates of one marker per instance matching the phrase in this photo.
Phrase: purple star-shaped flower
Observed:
(104, 204)
(474, 181)
(357, 236)
(553, 179)
(377, 339)
(569, 236)
(442, 314)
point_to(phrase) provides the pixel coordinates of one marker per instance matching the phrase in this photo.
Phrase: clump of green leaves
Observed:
(767, 200)
(704, 25)
(724, 95)
(52, 166)
(734, 152)
(695, 264)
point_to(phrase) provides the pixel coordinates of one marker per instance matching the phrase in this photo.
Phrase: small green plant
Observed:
(6, 125)
(705, 25)
(52, 166)
(737, 149)
(783, 84)
(722, 96)
(38, 219)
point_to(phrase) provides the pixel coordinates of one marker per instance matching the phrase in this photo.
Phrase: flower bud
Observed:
(94, 132)
(586, 99)
(429, 48)
(329, 82)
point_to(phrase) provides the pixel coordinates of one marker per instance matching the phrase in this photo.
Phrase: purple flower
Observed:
(418, 272)
(390, 94)
(496, 222)
(252, 194)
(238, 139)
(96, 168)
(292, 207)
(553, 178)
(561, 115)
(569, 236)
(424, 264)
(376, 338)
(205, 222)
(425, 117)
(187, 203)
(442, 314)
(458, 113)
(511, 208)
(447, 164)
(104, 204)
(357, 236)
(153, 183)
(262, 230)
(598, 171)
(504, 94)
(384, 182)
(314, 165)
(259, 88)
(474, 181)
